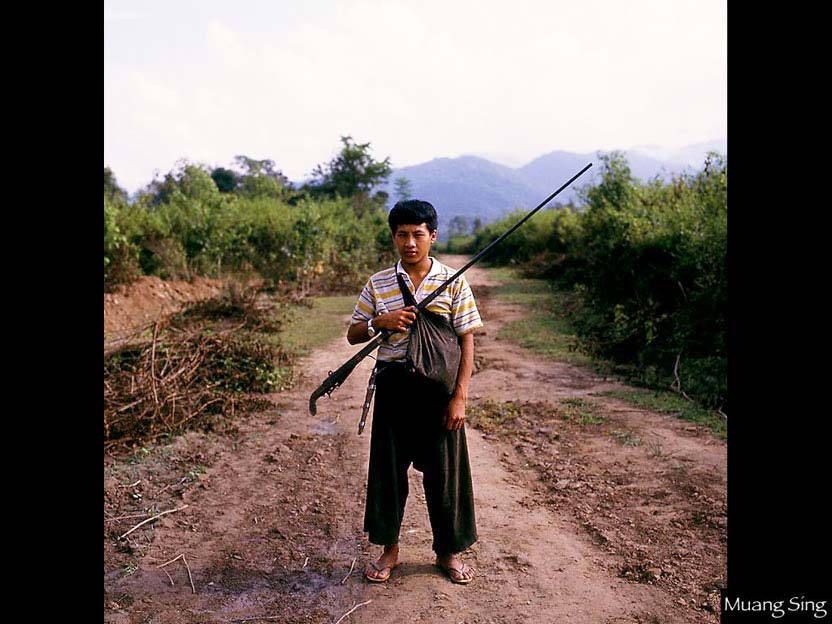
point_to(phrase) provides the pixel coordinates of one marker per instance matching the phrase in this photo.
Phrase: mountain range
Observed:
(472, 186)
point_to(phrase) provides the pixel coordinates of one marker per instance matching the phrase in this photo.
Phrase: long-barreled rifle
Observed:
(334, 380)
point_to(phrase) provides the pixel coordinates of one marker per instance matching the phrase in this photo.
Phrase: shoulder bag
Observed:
(434, 350)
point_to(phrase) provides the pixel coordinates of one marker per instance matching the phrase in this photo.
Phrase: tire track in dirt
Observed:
(274, 525)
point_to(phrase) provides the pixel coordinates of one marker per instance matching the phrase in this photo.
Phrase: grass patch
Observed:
(581, 411)
(490, 416)
(140, 455)
(626, 438)
(546, 329)
(656, 449)
(309, 325)
(517, 289)
(198, 470)
(316, 323)
(670, 403)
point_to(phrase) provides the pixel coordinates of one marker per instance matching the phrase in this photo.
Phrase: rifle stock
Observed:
(335, 379)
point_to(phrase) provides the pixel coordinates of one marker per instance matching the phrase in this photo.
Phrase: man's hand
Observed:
(455, 413)
(396, 321)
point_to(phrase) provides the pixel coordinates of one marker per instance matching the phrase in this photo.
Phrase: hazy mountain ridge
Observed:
(472, 186)
(468, 186)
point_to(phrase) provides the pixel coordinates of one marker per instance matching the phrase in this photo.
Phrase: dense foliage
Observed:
(216, 223)
(647, 263)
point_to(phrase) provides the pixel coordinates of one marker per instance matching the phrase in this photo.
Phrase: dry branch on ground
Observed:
(206, 361)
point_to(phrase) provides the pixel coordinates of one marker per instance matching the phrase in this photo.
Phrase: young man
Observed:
(412, 422)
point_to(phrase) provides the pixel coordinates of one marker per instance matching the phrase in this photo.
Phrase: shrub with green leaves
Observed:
(121, 257)
(183, 226)
(524, 243)
(648, 263)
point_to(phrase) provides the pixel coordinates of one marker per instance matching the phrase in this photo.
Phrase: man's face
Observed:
(413, 242)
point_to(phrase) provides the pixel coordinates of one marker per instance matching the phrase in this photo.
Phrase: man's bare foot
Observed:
(379, 570)
(457, 571)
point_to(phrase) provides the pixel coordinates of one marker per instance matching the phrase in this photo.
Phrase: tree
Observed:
(260, 178)
(352, 173)
(616, 187)
(225, 179)
(253, 167)
(477, 227)
(458, 226)
(112, 190)
(260, 186)
(403, 189)
(187, 180)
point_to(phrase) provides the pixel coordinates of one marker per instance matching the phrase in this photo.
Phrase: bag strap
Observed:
(409, 300)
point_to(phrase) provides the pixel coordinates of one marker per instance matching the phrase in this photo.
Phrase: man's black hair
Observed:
(412, 212)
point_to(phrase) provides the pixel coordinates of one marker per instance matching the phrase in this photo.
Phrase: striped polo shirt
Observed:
(381, 294)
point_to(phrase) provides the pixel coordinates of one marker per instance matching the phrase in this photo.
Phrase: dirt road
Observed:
(588, 510)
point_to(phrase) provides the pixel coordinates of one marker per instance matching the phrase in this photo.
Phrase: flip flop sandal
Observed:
(382, 578)
(449, 572)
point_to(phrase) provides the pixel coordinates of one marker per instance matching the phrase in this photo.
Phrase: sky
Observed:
(206, 80)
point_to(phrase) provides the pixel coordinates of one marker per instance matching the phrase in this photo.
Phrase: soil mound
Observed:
(149, 298)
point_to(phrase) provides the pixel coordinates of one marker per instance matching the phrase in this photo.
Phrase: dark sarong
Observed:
(408, 427)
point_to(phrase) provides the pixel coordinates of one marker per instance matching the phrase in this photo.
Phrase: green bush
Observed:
(121, 263)
(193, 229)
(648, 263)
(157, 249)
(457, 244)
(653, 272)
(531, 239)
